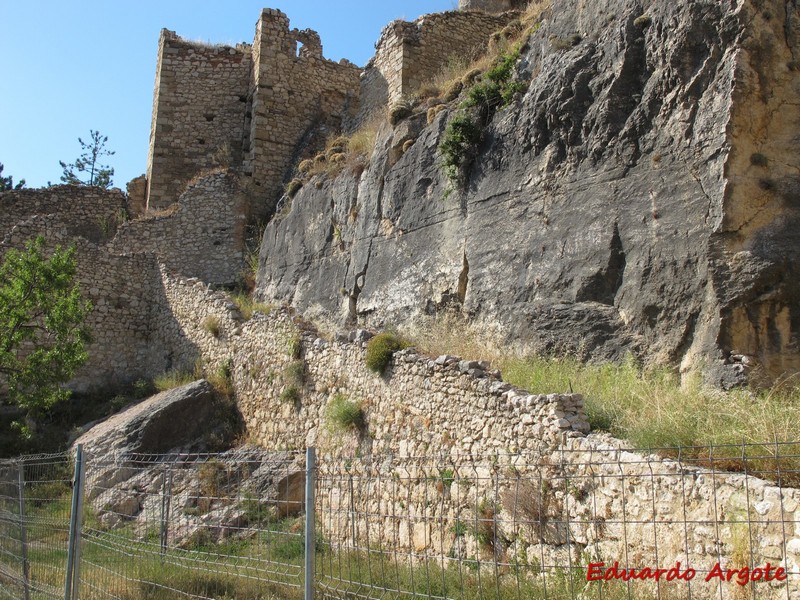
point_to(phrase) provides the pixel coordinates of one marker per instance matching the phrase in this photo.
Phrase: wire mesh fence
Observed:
(589, 519)
(35, 497)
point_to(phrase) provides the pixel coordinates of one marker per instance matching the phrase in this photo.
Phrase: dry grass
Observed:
(351, 152)
(461, 71)
(651, 407)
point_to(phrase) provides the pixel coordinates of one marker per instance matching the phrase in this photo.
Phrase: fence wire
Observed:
(34, 525)
(498, 527)
(195, 526)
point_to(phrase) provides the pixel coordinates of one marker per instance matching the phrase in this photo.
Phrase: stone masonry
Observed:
(254, 107)
(199, 112)
(199, 236)
(600, 500)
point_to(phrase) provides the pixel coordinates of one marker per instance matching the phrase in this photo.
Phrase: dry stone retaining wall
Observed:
(425, 416)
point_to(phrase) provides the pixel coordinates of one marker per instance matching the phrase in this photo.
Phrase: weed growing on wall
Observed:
(212, 325)
(343, 414)
(380, 350)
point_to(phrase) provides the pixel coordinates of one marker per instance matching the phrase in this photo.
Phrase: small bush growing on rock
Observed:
(759, 160)
(642, 21)
(305, 166)
(461, 140)
(212, 325)
(290, 394)
(565, 43)
(380, 350)
(293, 187)
(343, 413)
(295, 372)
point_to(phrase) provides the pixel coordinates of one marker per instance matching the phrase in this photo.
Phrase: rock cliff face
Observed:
(641, 196)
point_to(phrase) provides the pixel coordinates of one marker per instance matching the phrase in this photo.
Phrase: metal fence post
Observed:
(73, 545)
(166, 501)
(23, 535)
(310, 547)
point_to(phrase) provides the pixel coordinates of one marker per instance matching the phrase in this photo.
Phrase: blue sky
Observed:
(71, 66)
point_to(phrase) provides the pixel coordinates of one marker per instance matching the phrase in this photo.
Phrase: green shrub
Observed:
(290, 394)
(343, 413)
(380, 350)
(460, 145)
(464, 133)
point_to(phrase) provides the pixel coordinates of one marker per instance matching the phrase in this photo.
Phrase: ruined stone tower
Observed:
(252, 108)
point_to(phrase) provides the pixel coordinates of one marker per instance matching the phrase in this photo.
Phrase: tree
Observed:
(87, 170)
(7, 183)
(43, 337)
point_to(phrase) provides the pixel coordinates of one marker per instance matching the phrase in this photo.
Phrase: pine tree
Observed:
(87, 170)
(7, 183)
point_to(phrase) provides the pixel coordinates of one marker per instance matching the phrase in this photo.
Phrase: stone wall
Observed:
(201, 236)
(491, 6)
(199, 109)
(410, 54)
(89, 212)
(128, 306)
(293, 92)
(426, 415)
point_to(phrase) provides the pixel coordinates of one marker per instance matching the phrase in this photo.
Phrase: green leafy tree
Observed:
(87, 169)
(7, 183)
(43, 337)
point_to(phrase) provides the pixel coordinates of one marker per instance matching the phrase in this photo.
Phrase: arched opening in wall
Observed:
(299, 47)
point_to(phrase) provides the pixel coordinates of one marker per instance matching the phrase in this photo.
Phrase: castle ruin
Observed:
(255, 108)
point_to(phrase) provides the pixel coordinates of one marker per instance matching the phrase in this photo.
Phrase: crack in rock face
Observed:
(640, 197)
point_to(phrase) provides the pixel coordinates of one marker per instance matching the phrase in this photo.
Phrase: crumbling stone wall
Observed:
(89, 212)
(410, 54)
(201, 236)
(293, 92)
(491, 6)
(246, 106)
(199, 110)
(128, 305)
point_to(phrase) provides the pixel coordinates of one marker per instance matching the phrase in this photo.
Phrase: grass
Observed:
(650, 407)
(212, 325)
(343, 414)
(343, 152)
(248, 306)
(173, 379)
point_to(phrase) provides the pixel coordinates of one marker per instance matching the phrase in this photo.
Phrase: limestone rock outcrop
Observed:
(641, 196)
(180, 419)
